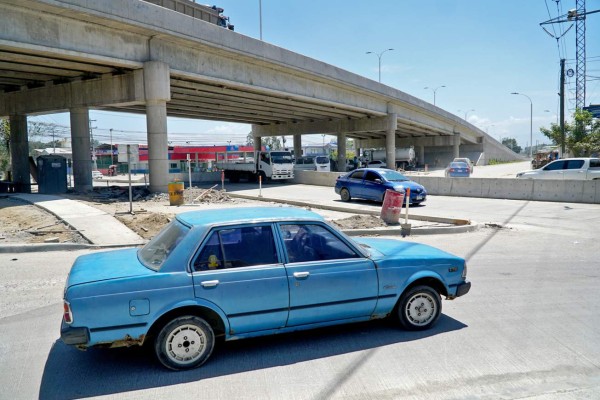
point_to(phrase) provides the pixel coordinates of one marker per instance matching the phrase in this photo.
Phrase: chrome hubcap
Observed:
(185, 344)
(420, 309)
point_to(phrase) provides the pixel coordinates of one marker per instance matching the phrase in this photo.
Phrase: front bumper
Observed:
(74, 336)
(463, 289)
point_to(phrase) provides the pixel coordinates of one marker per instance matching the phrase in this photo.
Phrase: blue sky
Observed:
(480, 50)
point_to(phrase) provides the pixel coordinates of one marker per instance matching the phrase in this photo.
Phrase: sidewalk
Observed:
(96, 226)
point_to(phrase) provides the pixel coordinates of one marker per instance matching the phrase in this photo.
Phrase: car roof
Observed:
(246, 215)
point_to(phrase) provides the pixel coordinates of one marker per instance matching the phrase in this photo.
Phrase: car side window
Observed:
(574, 164)
(556, 165)
(237, 247)
(594, 164)
(371, 176)
(357, 175)
(310, 242)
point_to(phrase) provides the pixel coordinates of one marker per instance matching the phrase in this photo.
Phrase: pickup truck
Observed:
(580, 169)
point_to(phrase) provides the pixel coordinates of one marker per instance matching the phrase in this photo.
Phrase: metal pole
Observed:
(260, 17)
(562, 107)
(129, 172)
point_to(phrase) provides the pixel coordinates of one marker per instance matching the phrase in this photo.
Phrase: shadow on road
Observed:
(71, 374)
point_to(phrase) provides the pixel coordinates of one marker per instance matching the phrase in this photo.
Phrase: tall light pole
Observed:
(530, 122)
(260, 17)
(324, 152)
(467, 112)
(379, 56)
(434, 91)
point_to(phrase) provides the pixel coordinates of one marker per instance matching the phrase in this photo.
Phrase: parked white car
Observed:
(568, 168)
(376, 164)
(97, 175)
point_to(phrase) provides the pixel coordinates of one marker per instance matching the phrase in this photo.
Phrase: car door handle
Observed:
(300, 275)
(209, 283)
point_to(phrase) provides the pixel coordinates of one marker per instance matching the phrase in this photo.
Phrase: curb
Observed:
(460, 225)
(39, 247)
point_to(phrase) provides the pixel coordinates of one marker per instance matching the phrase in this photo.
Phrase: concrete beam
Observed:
(378, 124)
(119, 90)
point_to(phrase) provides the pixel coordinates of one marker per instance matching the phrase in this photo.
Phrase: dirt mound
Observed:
(360, 222)
(147, 225)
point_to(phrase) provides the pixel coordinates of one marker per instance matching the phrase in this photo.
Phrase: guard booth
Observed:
(52, 174)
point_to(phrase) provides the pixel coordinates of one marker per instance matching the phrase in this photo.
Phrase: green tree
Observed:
(511, 143)
(582, 135)
(272, 142)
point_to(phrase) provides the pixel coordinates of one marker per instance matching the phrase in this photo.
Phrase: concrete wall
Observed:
(513, 189)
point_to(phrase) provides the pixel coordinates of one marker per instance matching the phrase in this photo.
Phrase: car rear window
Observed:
(156, 251)
(322, 160)
(595, 163)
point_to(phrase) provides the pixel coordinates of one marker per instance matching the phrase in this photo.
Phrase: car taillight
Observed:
(451, 169)
(67, 314)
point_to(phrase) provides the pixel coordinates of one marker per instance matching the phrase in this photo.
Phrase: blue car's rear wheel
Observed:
(184, 343)
(419, 308)
(345, 194)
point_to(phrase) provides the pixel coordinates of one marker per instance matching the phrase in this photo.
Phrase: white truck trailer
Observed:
(405, 157)
(275, 165)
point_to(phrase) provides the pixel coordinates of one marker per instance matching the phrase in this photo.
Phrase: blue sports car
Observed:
(246, 272)
(371, 184)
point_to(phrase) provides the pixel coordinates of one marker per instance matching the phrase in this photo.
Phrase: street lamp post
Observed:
(434, 91)
(379, 56)
(324, 152)
(467, 112)
(530, 122)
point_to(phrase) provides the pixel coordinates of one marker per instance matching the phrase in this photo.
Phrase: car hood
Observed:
(390, 248)
(407, 184)
(106, 265)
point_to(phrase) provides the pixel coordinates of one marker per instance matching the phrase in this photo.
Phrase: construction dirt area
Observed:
(22, 222)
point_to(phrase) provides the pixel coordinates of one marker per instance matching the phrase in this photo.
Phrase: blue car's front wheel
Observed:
(419, 308)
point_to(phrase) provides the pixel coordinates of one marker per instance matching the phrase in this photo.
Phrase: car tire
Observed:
(419, 308)
(345, 195)
(185, 342)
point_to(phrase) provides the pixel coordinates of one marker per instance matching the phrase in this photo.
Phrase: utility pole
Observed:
(562, 107)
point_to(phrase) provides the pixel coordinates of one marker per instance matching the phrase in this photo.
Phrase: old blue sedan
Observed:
(371, 184)
(239, 273)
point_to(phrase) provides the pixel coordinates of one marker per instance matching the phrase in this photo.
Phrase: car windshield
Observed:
(459, 165)
(322, 160)
(393, 176)
(156, 251)
(281, 157)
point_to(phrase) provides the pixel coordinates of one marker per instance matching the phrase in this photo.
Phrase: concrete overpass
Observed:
(133, 56)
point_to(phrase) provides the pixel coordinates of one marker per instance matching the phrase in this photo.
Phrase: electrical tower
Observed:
(578, 15)
(580, 55)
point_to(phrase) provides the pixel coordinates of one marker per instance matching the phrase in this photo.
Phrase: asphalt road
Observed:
(528, 329)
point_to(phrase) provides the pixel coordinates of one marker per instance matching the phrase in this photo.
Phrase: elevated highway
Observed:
(134, 56)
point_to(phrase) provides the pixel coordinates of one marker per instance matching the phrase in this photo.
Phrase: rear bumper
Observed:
(74, 336)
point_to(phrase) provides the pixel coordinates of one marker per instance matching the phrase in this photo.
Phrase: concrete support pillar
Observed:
(456, 147)
(157, 91)
(341, 147)
(19, 153)
(297, 146)
(81, 148)
(257, 142)
(422, 155)
(390, 141)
